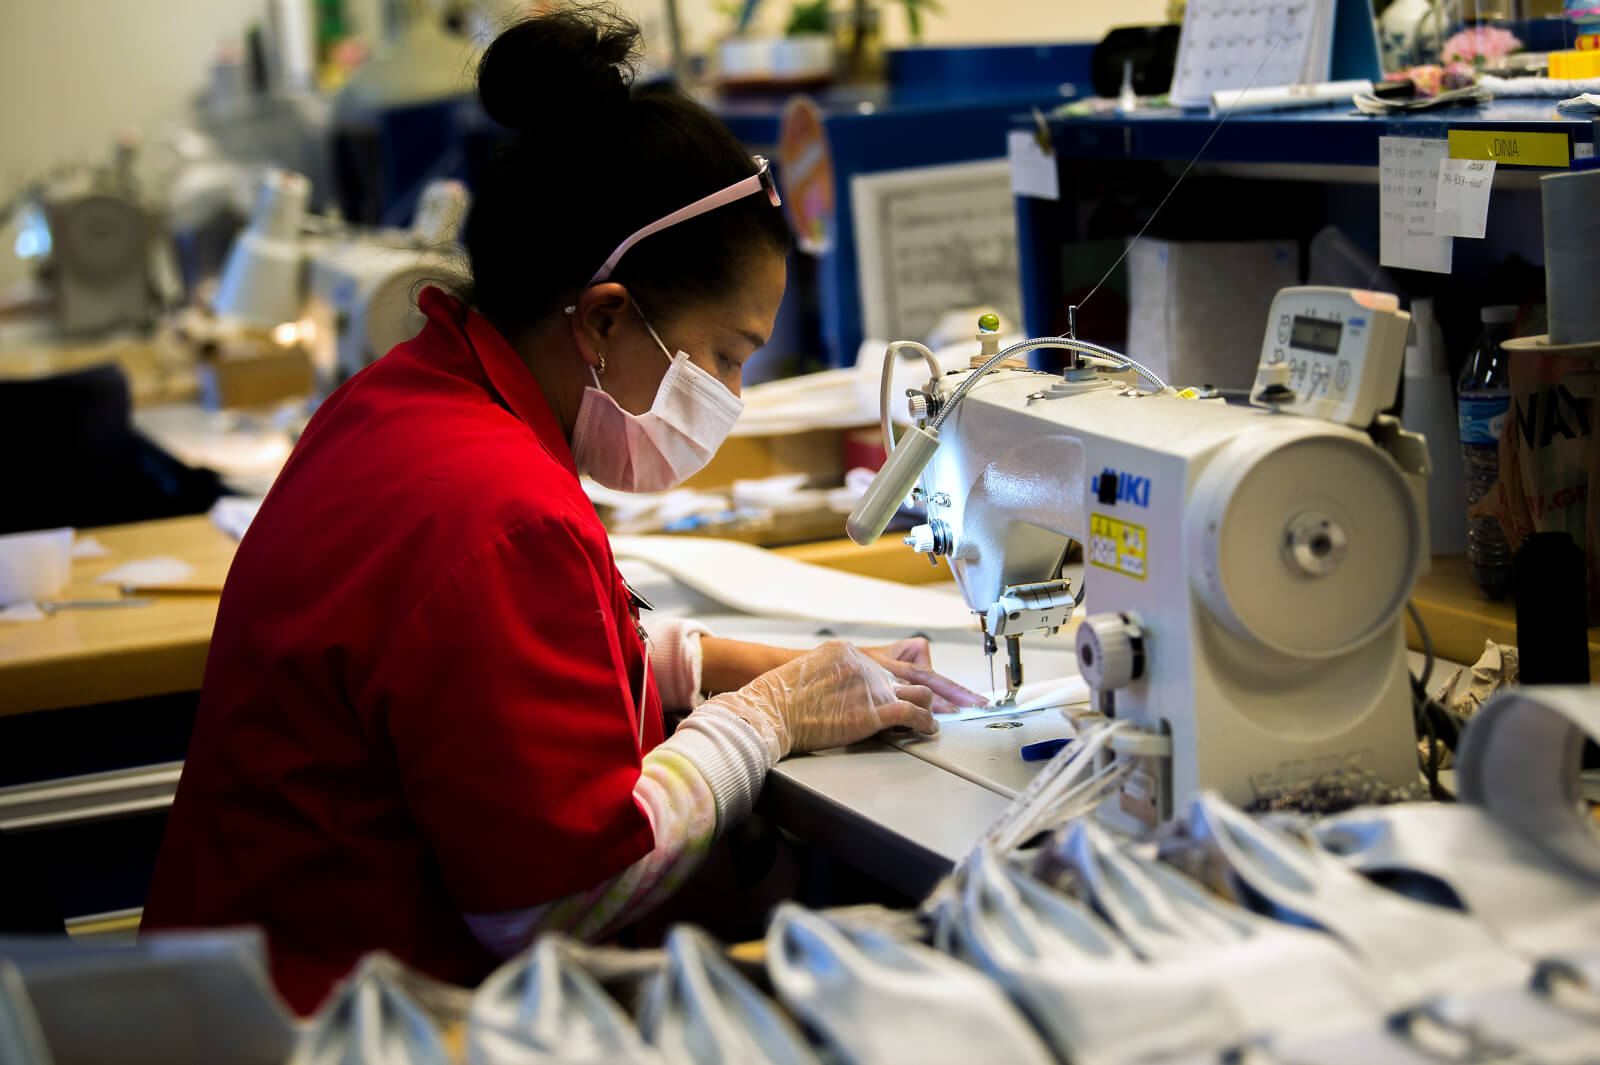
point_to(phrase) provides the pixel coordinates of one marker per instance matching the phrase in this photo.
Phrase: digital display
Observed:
(1314, 334)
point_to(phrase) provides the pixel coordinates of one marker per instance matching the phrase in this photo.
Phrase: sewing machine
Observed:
(1245, 566)
(363, 288)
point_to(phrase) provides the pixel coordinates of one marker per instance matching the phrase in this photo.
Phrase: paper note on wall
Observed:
(1462, 209)
(1408, 185)
(1033, 170)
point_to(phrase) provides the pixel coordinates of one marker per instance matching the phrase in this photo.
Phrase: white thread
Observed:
(1140, 235)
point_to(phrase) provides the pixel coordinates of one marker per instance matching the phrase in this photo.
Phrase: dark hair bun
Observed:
(568, 67)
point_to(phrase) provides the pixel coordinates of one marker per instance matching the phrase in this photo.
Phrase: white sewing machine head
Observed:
(1245, 567)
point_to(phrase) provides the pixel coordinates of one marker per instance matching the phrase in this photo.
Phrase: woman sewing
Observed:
(430, 721)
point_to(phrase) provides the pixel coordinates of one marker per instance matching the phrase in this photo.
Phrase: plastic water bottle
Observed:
(1484, 398)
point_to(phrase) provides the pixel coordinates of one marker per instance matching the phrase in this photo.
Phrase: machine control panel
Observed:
(1343, 349)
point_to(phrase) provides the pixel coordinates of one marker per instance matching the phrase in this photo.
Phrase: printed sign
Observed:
(1118, 546)
(1512, 149)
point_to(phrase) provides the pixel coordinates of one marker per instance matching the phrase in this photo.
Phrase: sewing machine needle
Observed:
(991, 672)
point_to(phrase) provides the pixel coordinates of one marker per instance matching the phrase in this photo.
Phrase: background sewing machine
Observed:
(98, 246)
(348, 294)
(1246, 567)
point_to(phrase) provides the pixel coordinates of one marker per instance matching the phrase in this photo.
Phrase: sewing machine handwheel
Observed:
(1304, 538)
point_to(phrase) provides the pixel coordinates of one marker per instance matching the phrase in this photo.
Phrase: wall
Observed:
(1022, 21)
(962, 21)
(75, 72)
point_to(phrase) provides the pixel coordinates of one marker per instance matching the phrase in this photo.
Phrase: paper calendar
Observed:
(1229, 44)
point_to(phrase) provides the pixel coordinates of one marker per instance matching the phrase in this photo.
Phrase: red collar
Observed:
(506, 371)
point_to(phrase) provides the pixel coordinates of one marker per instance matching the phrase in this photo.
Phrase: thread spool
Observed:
(1572, 255)
(1551, 614)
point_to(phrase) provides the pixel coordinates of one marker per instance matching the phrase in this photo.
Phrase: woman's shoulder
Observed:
(437, 482)
(523, 495)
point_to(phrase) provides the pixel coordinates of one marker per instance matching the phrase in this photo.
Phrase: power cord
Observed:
(1433, 721)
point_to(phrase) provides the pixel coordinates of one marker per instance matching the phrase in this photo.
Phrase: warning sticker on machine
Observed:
(1117, 546)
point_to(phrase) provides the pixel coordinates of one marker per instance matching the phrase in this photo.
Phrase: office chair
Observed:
(73, 457)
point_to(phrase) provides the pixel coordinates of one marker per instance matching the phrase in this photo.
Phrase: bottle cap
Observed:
(1276, 373)
(1424, 347)
(1498, 313)
(1416, 364)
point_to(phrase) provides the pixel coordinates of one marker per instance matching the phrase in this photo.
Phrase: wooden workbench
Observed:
(159, 369)
(83, 657)
(888, 559)
(1459, 619)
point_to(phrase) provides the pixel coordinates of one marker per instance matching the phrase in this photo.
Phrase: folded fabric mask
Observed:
(666, 445)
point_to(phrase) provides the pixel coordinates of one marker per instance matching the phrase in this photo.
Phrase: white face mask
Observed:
(667, 444)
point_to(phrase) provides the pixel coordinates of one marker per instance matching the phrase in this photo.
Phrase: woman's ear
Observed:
(596, 317)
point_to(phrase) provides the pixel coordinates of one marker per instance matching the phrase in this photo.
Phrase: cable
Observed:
(1423, 726)
(1214, 130)
(1427, 644)
(886, 382)
(1069, 344)
(1432, 721)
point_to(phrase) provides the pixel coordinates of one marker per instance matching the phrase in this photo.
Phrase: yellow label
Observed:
(1511, 149)
(1118, 546)
(1189, 393)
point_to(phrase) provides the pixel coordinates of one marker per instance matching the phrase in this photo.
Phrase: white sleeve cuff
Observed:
(730, 753)
(676, 661)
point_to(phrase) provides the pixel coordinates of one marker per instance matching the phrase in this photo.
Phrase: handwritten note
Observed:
(1408, 186)
(1462, 207)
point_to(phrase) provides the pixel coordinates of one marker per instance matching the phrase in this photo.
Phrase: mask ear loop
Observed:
(654, 335)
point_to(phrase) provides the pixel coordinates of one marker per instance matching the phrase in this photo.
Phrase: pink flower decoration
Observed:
(1479, 45)
(1426, 79)
(1458, 76)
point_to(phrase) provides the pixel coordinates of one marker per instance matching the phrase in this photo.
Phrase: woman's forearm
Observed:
(728, 665)
(692, 787)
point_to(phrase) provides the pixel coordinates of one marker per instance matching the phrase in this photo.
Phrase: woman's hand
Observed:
(728, 665)
(912, 663)
(829, 697)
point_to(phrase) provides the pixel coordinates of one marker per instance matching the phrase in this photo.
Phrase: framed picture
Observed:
(931, 240)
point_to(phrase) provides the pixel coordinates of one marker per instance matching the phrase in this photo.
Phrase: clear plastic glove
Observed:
(828, 697)
(911, 661)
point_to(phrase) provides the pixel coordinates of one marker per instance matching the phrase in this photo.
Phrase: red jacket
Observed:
(420, 695)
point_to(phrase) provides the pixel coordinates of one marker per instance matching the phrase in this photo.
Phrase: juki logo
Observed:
(1114, 487)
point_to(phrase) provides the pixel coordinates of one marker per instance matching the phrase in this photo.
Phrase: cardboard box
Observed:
(817, 452)
(1198, 310)
(257, 380)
